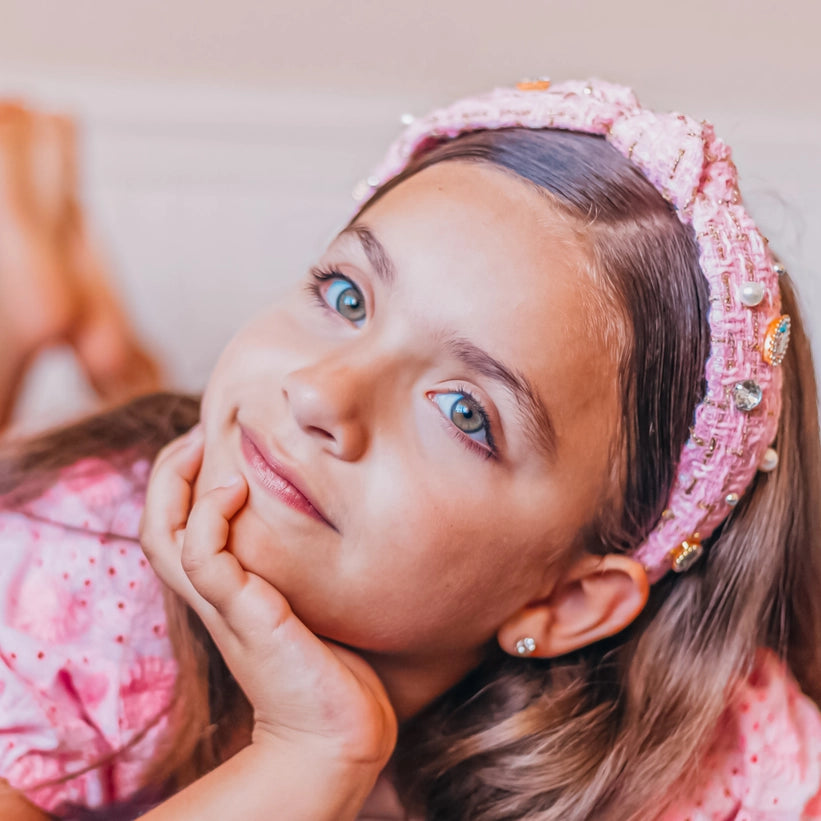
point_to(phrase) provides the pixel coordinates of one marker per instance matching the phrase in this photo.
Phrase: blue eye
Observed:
(467, 415)
(345, 298)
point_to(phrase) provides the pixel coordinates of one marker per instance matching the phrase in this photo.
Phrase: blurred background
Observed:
(221, 141)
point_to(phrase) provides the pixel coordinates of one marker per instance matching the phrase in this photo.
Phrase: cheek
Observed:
(252, 365)
(457, 546)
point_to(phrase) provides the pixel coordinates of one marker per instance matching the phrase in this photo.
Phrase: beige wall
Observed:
(223, 139)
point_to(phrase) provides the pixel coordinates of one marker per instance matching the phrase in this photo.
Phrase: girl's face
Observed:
(425, 423)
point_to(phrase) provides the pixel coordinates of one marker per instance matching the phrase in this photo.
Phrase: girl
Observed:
(514, 501)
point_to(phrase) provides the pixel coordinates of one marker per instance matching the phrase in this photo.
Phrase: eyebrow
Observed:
(533, 413)
(374, 251)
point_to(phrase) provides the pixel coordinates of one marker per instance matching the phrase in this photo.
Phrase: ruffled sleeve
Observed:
(765, 764)
(86, 668)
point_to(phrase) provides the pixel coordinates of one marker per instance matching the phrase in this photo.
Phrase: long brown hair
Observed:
(608, 731)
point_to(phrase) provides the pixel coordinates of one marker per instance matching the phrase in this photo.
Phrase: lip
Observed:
(277, 479)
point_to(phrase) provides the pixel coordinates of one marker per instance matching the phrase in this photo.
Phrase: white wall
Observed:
(223, 139)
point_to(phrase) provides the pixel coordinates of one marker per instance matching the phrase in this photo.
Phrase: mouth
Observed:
(276, 479)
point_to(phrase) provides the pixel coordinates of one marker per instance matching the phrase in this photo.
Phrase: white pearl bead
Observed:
(770, 460)
(751, 293)
(360, 190)
(407, 119)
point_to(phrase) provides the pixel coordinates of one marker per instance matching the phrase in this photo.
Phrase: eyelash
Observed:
(319, 276)
(488, 452)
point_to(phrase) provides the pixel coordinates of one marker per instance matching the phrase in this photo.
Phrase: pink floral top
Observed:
(765, 762)
(86, 670)
(85, 663)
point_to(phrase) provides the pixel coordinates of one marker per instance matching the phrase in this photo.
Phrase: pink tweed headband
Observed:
(736, 422)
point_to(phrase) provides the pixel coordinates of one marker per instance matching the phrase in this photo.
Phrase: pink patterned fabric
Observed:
(693, 170)
(85, 667)
(765, 763)
(85, 663)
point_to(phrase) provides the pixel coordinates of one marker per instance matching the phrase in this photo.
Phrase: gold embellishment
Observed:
(681, 153)
(541, 84)
(756, 333)
(728, 299)
(696, 438)
(686, 554)
(777, 340)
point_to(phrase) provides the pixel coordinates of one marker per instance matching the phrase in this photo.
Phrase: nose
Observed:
(326, 401)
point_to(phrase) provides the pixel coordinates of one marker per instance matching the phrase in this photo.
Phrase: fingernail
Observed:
(231, 480)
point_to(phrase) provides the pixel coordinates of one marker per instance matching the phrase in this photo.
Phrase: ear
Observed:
(597, 597)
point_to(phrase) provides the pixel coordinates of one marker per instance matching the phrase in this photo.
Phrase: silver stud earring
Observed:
(526, 646)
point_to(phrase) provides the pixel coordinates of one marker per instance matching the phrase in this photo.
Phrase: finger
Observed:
(214, 571)
(191, 438)
(166, 509)
(229, 596)
(168, 497)
(178, 456)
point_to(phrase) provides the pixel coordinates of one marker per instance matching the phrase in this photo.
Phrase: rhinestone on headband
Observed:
(693, 170)
(747, 395)
(777, 340)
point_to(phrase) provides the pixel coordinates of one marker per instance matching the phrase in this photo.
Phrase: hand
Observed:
(304, 691)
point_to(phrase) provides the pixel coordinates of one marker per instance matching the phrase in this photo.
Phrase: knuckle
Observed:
(206, 512)
(147, 534)
(191, 563)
